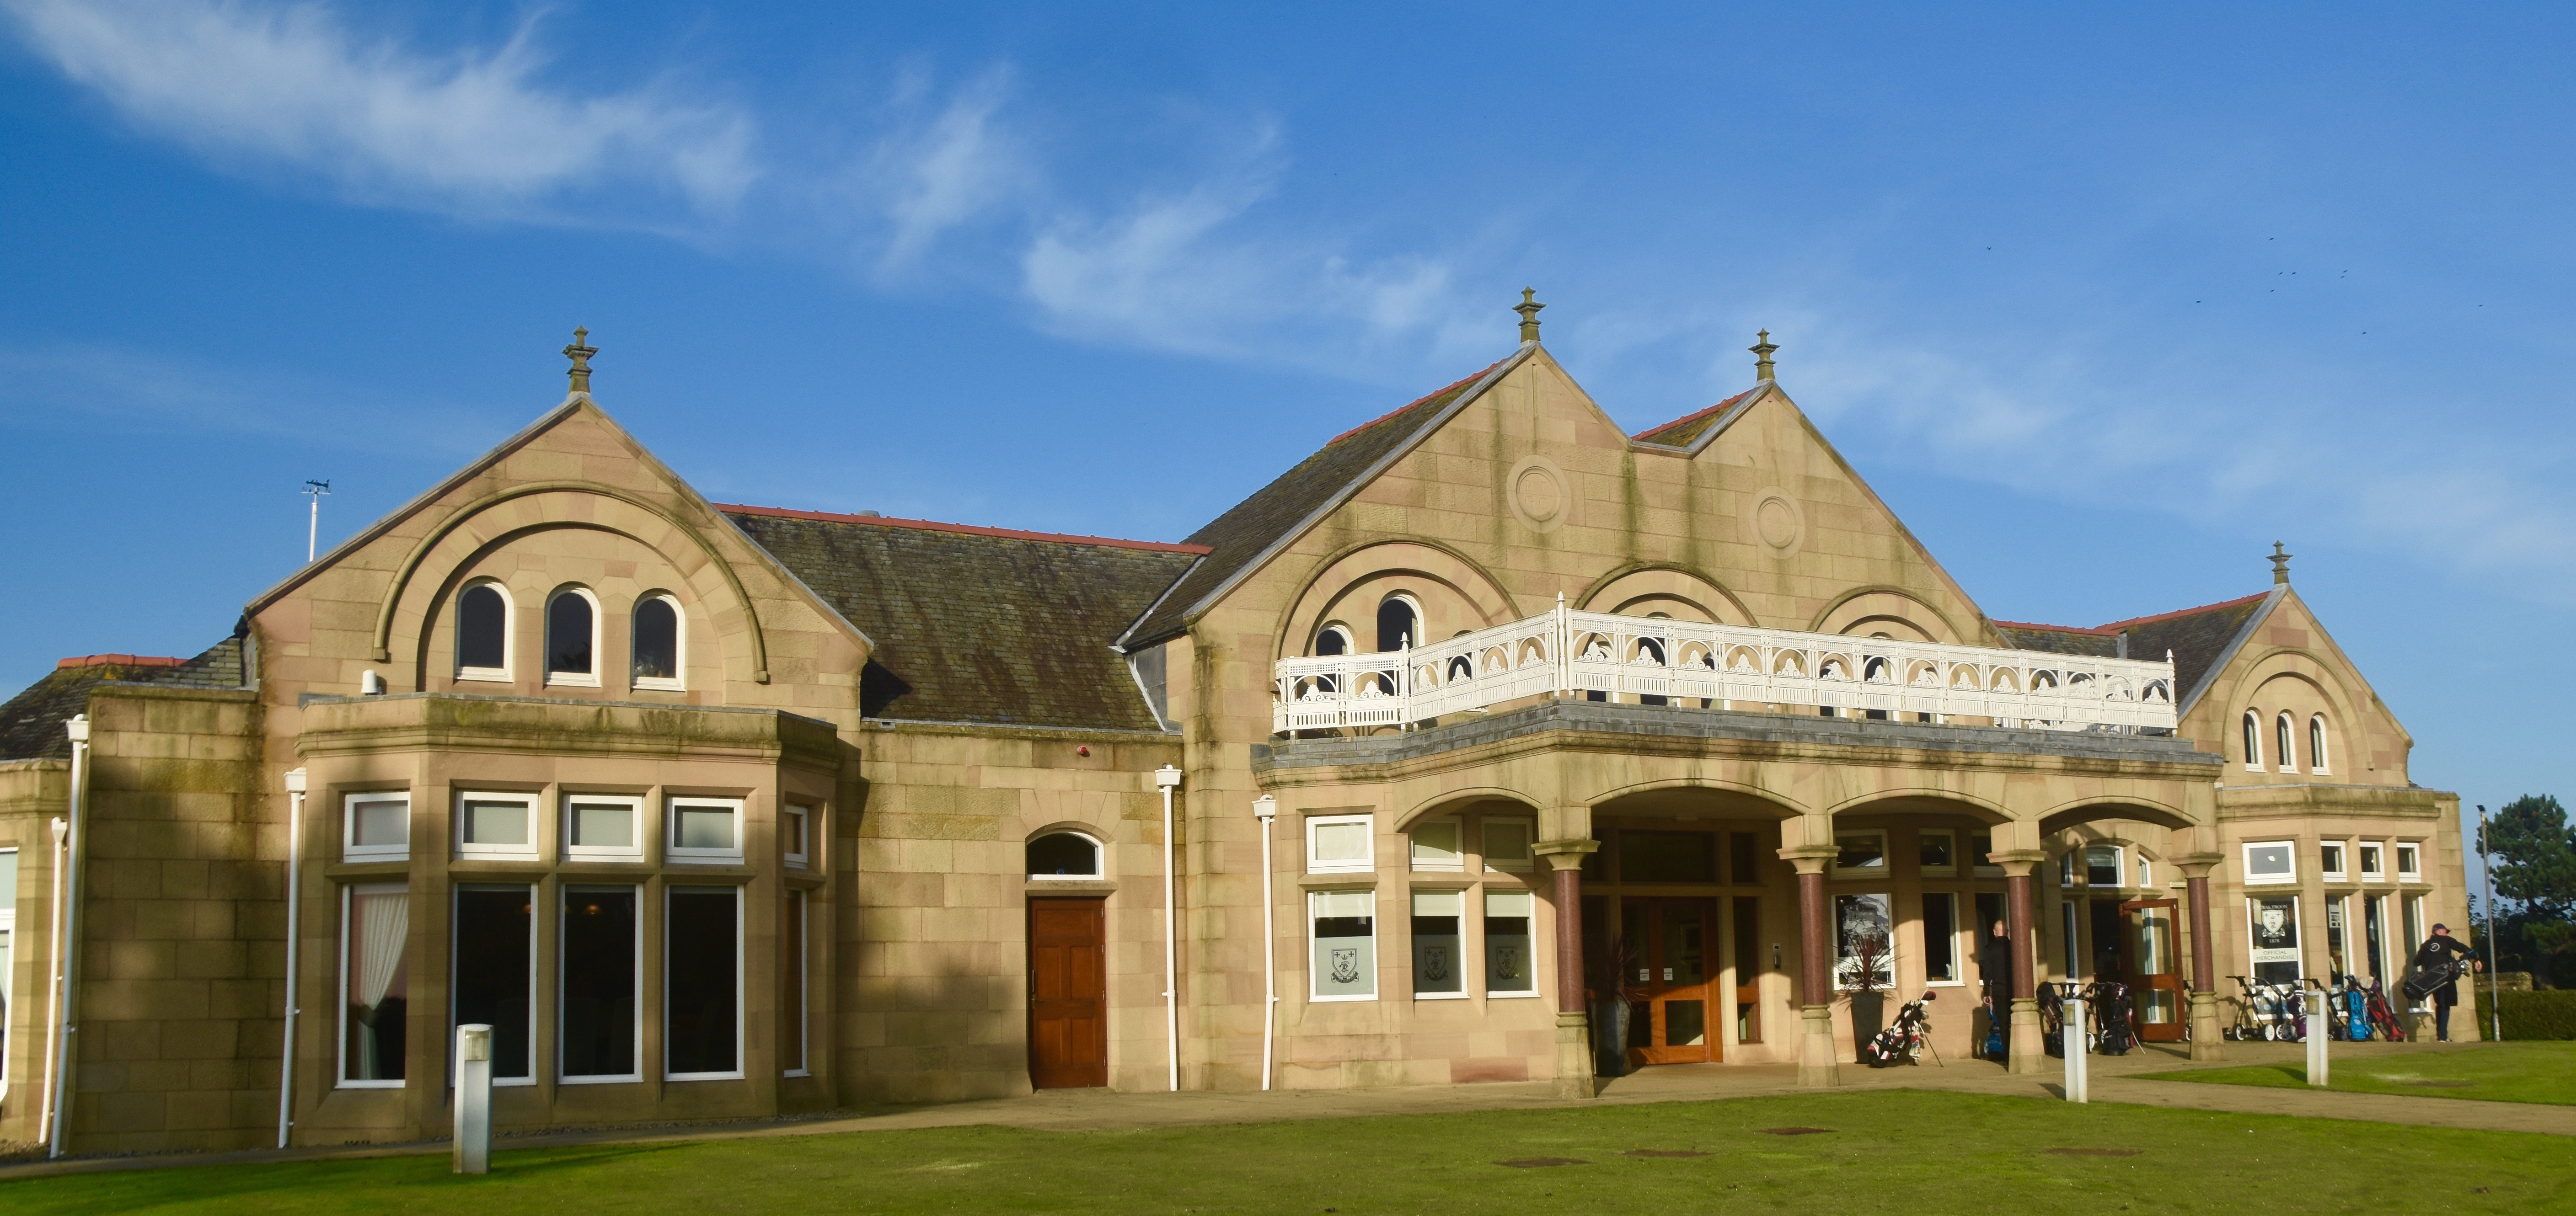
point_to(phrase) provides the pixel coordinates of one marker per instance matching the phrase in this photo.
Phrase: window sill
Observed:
(1516, 867)
(628, 1079)
(1069, 886)
(483, 675)
(1511, 996)
(370, 1085)
(679, 858)
(797, 1072)
(1340, 1000)
(1419, 868)
(1440, 996)
(1339, 882)
(702, 1076)
(577, 855)
(471, 852)
(563, 679)
(658, 684)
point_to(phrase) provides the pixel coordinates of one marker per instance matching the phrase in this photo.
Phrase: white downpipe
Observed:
(67, 940)
(2079, 1067)
(294, 904)
(54, 983)
(1165, 778)
(2317, 1023)
(1267, 808)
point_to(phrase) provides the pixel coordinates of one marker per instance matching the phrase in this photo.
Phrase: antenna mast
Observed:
(313, 530)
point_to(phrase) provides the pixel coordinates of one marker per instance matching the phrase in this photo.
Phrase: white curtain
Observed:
(384, 921)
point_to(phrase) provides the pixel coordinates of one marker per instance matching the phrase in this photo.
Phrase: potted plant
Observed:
(1866, 973)
(1611, 995)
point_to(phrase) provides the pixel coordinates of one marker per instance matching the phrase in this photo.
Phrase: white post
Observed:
(1165, 778)
(1564, 640)
(2495, 982)
(472, 1152)
(54, 984)
(2078, 1065)
(2317, 1023)
(1266, 808)
(294, 881)
(67, 943)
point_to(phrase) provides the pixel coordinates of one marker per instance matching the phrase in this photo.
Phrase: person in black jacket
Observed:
(2437, 952)
(1994, 972)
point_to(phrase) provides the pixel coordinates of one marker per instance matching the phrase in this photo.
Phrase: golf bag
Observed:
(1898, 1043)
(2383, 1019)
(2422, 982)
(2110, 1004)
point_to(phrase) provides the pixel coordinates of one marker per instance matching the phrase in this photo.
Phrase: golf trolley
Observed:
(1906, 1040)
(2273, 1012)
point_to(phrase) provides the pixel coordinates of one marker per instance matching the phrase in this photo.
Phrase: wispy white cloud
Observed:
(945, 164)
(478, 131)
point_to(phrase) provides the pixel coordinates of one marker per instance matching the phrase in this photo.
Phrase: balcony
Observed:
(1659, 661)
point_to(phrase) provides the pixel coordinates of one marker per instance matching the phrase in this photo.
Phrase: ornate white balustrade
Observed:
(1724, 666)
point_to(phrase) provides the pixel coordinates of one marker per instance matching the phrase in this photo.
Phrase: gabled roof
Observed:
(2202, 639)
(1243, 538)
(31, 723)
(1682, 432)
(979, 624)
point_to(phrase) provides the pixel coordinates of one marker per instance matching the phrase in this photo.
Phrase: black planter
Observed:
(1610, 1038)
(1868, 1013)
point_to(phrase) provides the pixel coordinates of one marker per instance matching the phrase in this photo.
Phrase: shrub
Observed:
(2549, 1014)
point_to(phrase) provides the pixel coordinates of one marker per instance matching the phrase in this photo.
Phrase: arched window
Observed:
(2253, 742)
(2281, 743)
(483, 633)
(1333, 640)
(572, 636)
(1396, 623)
(1064, 855)
(2317, 743)
(657, 642)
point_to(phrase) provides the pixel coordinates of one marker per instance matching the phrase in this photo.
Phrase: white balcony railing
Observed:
(1721, 666)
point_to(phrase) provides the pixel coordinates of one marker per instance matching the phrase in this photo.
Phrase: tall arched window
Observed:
(2281, 743)
(2253, 742)
(572, 637)
(1397, 624)
(657, 643)
(2317, 743)
(1332, 641)
(483, 633)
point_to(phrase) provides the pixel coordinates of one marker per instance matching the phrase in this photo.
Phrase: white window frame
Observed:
(1365, 864)
(2319, 752)
(804, 985)
(455, 894)
(340, 1050)
(634, 804)
(1881, 870)
(2403, 850)
(795, 835)
(1099, 857)
(2332, 866)
(2299, 916)
(2246, 859)
(741, 1048)
(1508, 865)
(9, 962)
(509, 632)
(545, 659)
(1421, 620)
(350, 849)
(1978, 865)
(1529, 911)
(1412, 970)
(2374, 863)
(2119, 864)
(2146, 873)
(1958, 948)
(1834, 910)
(674, 853)
(2252, 729)
(1457, 862)
(1377, 935)
(2285, 731)
(679, 645)
(1350, 641)
(635, 1038)
(496, 852)
(1949, 871)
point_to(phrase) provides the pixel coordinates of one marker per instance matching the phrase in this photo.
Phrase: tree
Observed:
(2532, 856)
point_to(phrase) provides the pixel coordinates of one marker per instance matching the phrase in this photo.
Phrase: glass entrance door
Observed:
(1666, 943)
(2155, 982)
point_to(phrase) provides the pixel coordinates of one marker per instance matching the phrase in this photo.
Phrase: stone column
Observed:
(1816, 1066)
(2206, 1033)
(2026, 1052)
(1573, 1020)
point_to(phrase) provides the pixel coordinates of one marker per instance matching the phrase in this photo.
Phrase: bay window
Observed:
(1438, 931)
(597, 1015)
(1510, 967)
(1343, 957)
(375, 984)
(494, 983)
(702, 984)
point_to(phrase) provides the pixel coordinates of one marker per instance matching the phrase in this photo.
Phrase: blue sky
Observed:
(2102, 304)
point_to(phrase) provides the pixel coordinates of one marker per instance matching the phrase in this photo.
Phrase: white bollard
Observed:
(473, 1151)
(2079, 1066)
(2317, 1022)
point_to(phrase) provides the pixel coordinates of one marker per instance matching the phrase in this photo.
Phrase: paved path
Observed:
(2115, 1079)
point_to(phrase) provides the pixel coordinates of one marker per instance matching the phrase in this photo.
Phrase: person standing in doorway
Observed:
(1994, 974)
(2438, 953)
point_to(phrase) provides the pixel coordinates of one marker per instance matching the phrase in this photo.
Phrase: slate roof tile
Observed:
(2198, 637)
(31, 723)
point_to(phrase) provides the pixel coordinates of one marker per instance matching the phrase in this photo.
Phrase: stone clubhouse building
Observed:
(1488, 743)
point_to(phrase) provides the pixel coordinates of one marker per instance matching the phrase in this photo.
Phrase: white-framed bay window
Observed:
(492, 976)
(1941, 961)
(375, 984)
(603, 827)
(1439, 932)
(1511, 965)
(1438, 845)
(703, 831)
(1342, 959)
(702, 984)
(2272, 929)
(1507, 841)
(376, 826)
(1937, 852)
(793, 990)
(2374, 861)
(795, 835)
(1865, 938)
(8, 957)
(2271, 861)
(1860, 854)
(1340, 844)
(2410, 863)
(599, 1020)
(496, 827)
(2330, 861)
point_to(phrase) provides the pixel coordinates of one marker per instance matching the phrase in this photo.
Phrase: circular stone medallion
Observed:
(1537, 492)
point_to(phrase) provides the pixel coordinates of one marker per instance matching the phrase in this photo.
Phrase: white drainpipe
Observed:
(54, 985)
(1164, 779)
(294, 893)
(1267, 808)
(67, 940)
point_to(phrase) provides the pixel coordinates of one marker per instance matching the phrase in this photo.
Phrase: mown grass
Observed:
(2492, 1072)
(1889, 1151)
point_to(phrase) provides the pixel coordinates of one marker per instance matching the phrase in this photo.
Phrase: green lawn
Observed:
(2495, 1072)
(1889, 1151)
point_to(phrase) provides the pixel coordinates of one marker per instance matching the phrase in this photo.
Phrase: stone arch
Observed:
(1643, 797)
(1640, 589)
(2088, 810)
(554, 505)
(1895, 609)
(1452, 802)
(2343, 723)
(1456, 593)
(1923, 800)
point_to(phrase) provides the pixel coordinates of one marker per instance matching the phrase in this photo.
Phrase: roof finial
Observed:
(2280, 564)
(580, 352)
(1762, 349)
(1528, 309)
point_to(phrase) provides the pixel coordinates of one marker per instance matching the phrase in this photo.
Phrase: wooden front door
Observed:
(2152, 969)
(1068, 994)
(1671, 986)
